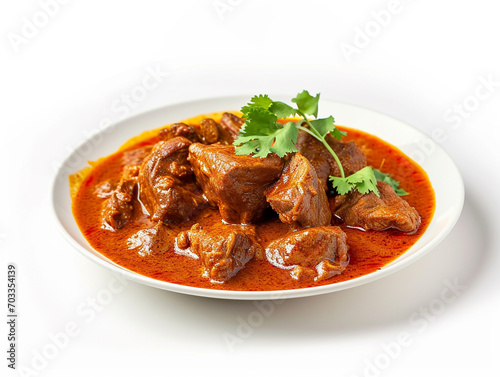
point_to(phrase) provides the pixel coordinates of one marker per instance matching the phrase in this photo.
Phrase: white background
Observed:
(417, 61)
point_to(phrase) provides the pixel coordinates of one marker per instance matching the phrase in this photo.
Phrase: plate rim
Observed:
(253, 295)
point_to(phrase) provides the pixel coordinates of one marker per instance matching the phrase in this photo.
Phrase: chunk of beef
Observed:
(231, 124)
(223, 250)
(369, 211)
(179, 129)
(118, 209)
(235, 184)
(167, 187)
(349, 154)
(311, 254)
(208, 131)
(298, 196)
(149, 241)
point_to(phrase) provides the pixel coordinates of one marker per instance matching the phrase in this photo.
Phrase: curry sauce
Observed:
(368, 250)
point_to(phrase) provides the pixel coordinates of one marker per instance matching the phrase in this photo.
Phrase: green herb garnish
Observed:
(261, 134)
(390, 181)
(363, 180)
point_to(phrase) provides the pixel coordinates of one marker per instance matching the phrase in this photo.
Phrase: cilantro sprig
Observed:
(390, 181)
(363, 180)
(262, 134)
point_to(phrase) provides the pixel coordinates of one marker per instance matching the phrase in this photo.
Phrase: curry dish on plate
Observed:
(179, 205)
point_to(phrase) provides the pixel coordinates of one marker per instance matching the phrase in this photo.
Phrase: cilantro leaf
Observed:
(341, 185)
(327, 125)
(248, 147)
(258, 146)
(306, 103)
(367, 181)
(337, 134)
(282, 110)
(281, 141)
(261, 134)
(264, 148)
(261, 100)
(363, 180)
(390, 181)
(323, 126)
(286, 139)
(401, 192)
(259, 121)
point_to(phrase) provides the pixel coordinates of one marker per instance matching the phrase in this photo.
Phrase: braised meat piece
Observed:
(208, 132)
(235, 184)
(167, 187)
(310, 254)
(231, 124)
(179, 129)
(369, 211)
(298, 196)
(118, 209)
(349, 154)
(223, 250)
(150, 241)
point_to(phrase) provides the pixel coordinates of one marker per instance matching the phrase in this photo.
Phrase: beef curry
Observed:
(177, 204)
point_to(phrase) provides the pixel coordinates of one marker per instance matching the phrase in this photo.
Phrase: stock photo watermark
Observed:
(418, 322)
(120, 108)
(363, 36)
(86, 312)
(12, 313)
(31, 26)
(454, 116)
(246, 327)
(222, 7)
(458, 112)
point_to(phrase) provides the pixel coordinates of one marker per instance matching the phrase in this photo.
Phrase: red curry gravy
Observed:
(368, 250)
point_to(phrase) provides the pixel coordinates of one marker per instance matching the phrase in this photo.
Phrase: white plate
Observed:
(442, 172)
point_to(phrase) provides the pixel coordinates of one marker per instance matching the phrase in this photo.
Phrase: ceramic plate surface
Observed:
(441, 170)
